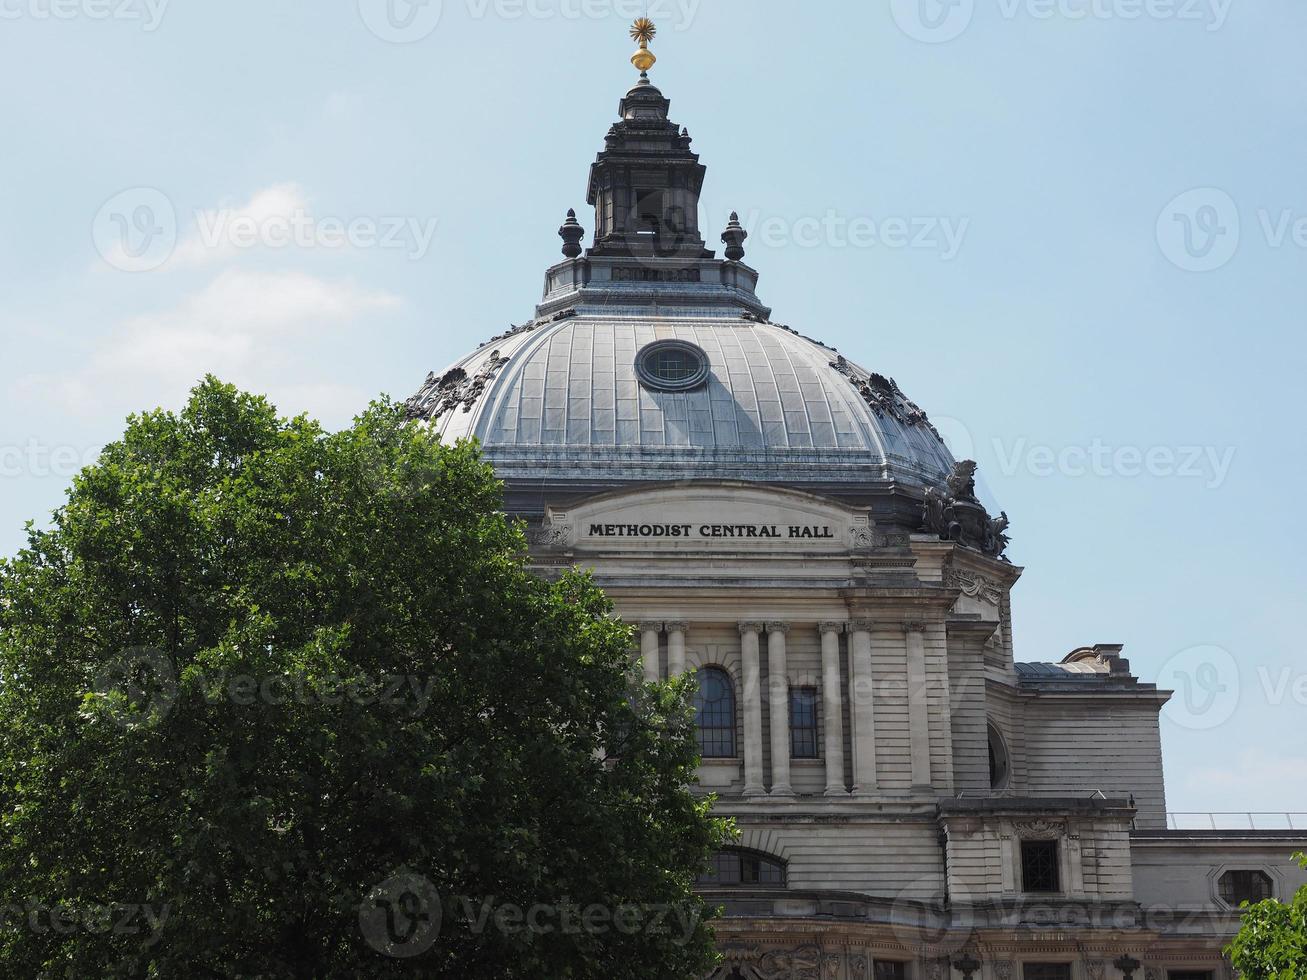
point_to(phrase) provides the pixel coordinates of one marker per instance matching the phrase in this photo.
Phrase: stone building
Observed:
(788, 525)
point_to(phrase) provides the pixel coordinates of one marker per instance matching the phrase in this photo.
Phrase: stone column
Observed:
(779, 709)
(649, 651)
(862, 710)
(675, 648)
(751, 699)
(918, 705)
(833, 702)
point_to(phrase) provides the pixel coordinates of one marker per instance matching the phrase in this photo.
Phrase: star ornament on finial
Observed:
(644, 30)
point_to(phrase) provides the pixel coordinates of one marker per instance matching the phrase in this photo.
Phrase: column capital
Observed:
(914, 627)
(860, 626)
(778, 627)
(750, 628)
(676, 626)
(830, 627)
(649, 627)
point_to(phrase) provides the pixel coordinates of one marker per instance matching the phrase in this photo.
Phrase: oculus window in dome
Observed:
(672, 365)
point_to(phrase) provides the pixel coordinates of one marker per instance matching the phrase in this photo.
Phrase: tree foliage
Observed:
(283, 703)
(1272, 944)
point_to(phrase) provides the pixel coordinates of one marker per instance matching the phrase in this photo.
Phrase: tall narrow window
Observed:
(1039, 871)
(714, 714)
(803, 722)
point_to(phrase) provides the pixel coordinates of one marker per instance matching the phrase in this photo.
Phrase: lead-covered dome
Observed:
(565, 398)
(650, 358)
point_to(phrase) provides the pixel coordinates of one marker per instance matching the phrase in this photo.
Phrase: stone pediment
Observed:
(722, 517)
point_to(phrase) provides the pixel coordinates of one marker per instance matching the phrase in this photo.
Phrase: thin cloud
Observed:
(246, 327)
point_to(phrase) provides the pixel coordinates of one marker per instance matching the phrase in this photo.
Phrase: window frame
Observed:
(1032, 971)
(1055, 866)
(900, 969)
(779, 869)
(1236, 902)
(647, 356)
(814, 727)
(1000, 758)
(719, 729)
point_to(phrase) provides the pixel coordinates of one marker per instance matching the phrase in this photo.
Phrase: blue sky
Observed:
(1075, 231)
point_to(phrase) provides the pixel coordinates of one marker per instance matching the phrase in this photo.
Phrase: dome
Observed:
(563, 398)
(650, 358)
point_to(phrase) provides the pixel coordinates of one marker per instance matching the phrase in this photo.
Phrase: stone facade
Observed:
(913, 801)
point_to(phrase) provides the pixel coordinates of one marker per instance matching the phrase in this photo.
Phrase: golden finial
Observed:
(644, 31)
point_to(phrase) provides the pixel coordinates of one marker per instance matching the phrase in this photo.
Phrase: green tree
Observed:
(1272, 944)
(283, 703)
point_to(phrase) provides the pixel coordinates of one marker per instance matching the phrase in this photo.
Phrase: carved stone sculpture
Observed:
(885, 397)
(953, 512)
(441, 395)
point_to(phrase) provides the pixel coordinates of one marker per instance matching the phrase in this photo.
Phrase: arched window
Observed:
(714, 714)
(735, 867)
(1000, 767)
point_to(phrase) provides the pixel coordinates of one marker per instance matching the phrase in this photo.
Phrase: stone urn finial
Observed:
(571, 233)
(734, 237)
